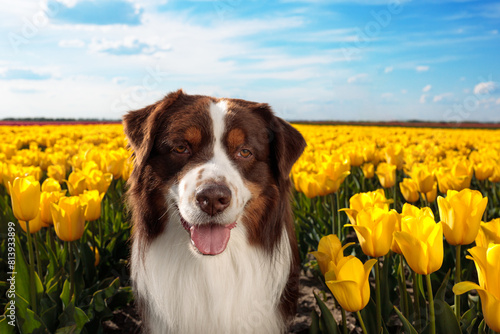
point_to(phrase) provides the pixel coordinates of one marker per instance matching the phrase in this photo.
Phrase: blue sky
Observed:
(310, 60)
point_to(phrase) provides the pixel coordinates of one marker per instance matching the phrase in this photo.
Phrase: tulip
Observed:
(93, 200)
(488, 233)
(413, 211)
(456, 178)
(366, 200)
(409, 189)
(76, 183)
(115, 161)
(35, 224)
(25, 195)
(374, 228)
(97, 180)
(127, 169)
(349, 283)
(329, 250)
(368, 170)
(488, 270)
(495, 177)
(57, 172)
(46, 199)
(51, 184)
(386, 174)
(421, 241)
(308, 184)
(423, 176)
(69, 218)
(394, 156)
(483, 170)
(431, 195)
(461, 214)
(96, 255)
(336, 170)
(355, 154)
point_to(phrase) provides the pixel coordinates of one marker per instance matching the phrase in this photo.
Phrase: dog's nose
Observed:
(213, 199)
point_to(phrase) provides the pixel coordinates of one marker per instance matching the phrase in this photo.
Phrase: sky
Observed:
(435, 60)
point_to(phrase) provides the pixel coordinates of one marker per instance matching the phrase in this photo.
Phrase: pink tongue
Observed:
(210, 239)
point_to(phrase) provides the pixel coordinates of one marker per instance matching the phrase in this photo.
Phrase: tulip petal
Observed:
(348, 294)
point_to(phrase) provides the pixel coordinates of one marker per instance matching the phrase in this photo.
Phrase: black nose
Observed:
(213, 199)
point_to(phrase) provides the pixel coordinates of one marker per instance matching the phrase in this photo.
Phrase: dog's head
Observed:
(217, 162)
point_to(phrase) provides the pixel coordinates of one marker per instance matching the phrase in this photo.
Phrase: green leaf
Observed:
(28, 321)
(22, 274)
(314, 328)
(65, 293)
(446, 321)
(408, 328)
(440, 294)
(468, 319)
(72, 319)
(386, 287)
(327, 320)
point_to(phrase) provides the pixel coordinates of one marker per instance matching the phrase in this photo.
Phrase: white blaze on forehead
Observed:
(221, 169)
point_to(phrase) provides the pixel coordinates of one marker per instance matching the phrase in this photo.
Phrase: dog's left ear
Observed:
(286, 143)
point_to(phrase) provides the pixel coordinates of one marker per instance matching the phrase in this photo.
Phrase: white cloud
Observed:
(484, 88)
(388, 69)
(494, 32)
(462, 78)
(71, 43)
(440, 97)
(426, 88)
(498, 101)
(387, 96)
(466, 90)
(357, 78)
(404, 91)
(423, 98)
(422, 68)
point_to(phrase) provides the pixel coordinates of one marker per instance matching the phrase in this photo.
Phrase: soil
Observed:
(126, 320)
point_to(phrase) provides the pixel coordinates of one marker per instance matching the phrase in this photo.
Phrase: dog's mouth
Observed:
(210, 238)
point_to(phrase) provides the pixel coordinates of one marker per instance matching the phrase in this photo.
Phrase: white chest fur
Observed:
(237, 291)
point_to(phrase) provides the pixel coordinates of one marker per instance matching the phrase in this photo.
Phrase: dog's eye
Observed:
(244, 153)
(181, 149)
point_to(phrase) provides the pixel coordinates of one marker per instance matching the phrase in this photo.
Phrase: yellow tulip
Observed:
(336, 169)
(394, 245)
(457, 177)
(46, 199)
(421, 242)
(355, 156)
(488, 233)
(368, 170)
(431, 195)
(409, 189)
(423, 176)
(488, 270)
(69, 218)
(394, 156)
(329, 250)
(96, 255)
(374, 228)
(386, 174)
(25, 196)
(76, 183)
(127, 170)
(366, 200)
(461, 214)
(308, 185)
(413, 211)
(35, 224)
(93, 199)
(495, 177)
(484, 170)
(51, 184)
(114, 163)
(57, 172)
(349, 283)
(97, 180)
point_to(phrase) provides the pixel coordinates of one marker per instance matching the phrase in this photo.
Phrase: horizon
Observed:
(361, 61)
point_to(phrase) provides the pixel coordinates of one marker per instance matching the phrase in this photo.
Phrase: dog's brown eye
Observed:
(181, 149)
(244, 153)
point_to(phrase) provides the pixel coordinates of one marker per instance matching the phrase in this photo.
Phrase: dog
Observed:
(213, 242)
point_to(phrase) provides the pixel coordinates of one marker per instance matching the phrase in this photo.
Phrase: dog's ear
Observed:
(140, 126)
(286, 143)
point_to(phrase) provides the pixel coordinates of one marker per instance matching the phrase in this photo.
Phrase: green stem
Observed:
(98, 221)
(458, 271)
(332, 206)
(50, 231)
(431, 304)
(377, 295)
(416, 301)
(395, 197)
(37, 256)
(344, 321)
(403, 286)
(361, 322)
(339, 224)
(31, 269)
(71, 270)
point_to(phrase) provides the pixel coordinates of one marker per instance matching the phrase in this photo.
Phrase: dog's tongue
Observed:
(210, 239)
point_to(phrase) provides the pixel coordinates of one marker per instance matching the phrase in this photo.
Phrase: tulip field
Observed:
(400, 226)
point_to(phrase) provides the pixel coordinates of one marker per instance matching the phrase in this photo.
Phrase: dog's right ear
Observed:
(140, 126)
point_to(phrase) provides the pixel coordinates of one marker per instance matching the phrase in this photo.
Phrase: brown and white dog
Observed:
(214, 247)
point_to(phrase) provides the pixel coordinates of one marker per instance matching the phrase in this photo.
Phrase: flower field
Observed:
(400, 225)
